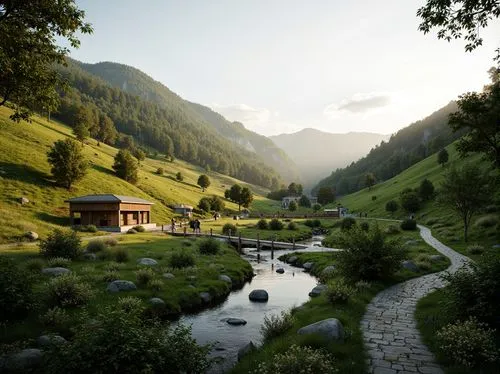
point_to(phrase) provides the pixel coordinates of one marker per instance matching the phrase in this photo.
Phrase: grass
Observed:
(181, 294)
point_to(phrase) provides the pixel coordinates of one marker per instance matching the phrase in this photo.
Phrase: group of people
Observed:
(195, 225)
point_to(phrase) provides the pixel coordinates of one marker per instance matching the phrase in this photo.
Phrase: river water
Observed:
(285, 291)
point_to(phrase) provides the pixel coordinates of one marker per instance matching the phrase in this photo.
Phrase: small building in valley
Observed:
(111, 212)
(184, 210)
(285, 202)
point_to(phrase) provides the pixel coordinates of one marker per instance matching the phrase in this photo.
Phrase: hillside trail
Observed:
(389, 327)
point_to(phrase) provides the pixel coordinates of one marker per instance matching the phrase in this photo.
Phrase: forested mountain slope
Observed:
(404, 149)
(135, 82)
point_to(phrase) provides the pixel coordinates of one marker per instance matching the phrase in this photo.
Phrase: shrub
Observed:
(368, 255)
(112, 266)
(179, 260)
(276, 224)
(131, 231)
(292, 207)
(374, 197)
(110, 276)
(229, 229)
(110, 242)
(67, 290)
(362, 285)
(139, 228)
(130, 304)
(408, 225)
(209, 246)
(262, 224)
(59, 262)
(468, 343)
(144, 275)
(160, 171)
(312, 223)
(298, 359)
(347, 223)
(486, 221)
(121, 255)
(475, 249)
(16, 296)
(316, 207)
(156, 285)
(410, 201)
(292, 226)
(90, 228)
(391, 230)
(56, 318)
(365, 226)
(339, 291)
(34, 265)
(105, 255)
(424, 265)
(276, 325)
(96, 245)
(61, 243)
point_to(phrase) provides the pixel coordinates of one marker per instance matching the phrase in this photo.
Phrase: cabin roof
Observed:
(108, 198)
(183, 206)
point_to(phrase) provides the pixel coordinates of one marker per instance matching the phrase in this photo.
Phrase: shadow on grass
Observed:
(182, 182)
(50, 218)
(25, 173)
(102, 169)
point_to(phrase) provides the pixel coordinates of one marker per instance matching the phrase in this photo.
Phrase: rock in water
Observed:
(280, 270)
(236, 321)
(259, 295)
(316, 291)
(205, 297)
(308, 266)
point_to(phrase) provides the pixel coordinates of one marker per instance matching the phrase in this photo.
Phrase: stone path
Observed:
(389, 328)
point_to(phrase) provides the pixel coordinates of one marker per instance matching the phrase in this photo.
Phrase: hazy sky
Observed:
(280, 66)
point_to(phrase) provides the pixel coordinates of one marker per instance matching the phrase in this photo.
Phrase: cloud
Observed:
(359, 103)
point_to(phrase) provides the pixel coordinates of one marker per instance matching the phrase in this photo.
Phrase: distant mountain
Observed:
(317, 153)
(135, 82)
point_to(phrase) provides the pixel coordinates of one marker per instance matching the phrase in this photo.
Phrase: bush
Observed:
(408, 225)
(486, 221)
(374, 197)
(410, 201)
(292, 226)
(160, 171)
(110, 242)
(391, 230)
(67, 290)
(298, 359)
(312, 223)
(56, 318)
(96, 245)
(365, 226)
(179, 260)
(156, 285)
(262, 224)
(131, 231)
(347, 223)
(424, 265)
(90, 228)
(121, 255)
(468, 343)
(339, 291)
(276, 224)
(110, 276)
(105, 255)
(61, 243)
(316, 207)
(144, 275)
(16, 296)
(229, 229)
(292, 207)
(368, 255)
(34, 265)
(204, 204)
(59, 262)
(209, 246)
(113, 266)
(276, 325)
(130, 304)
(475, 249)
(139, 228)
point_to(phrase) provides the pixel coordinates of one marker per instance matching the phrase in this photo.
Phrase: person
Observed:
(192, 224)
(173, 225)
(197, 225)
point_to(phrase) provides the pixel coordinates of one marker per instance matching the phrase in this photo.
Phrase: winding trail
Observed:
(389, 328)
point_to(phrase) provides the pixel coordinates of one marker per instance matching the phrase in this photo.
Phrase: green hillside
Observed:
(24, 171)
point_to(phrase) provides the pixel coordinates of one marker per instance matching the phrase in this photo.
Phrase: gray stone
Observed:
(330, 329)
(55, 272)
(329, 270)
(147, 261)
(236, 321)
(24, 360)
(31, 235)
(225, 278)
(246, 349)
(90, 256)
(496, 246)
(168, 276)
(411, 242)
(156, 301)
(121, 285)
(280, 270)
(436, 258)
(47, 341)
(292, 260)
(316, 291)
(23, 200)
(258, 295)
(308, 266)
(409, 265)
(205, 297)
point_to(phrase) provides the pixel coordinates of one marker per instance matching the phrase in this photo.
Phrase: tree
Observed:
(292, 207)
(246, 197)
(107, 132)
(125, 166)
(139, 155)
(443, 157)
(82, 123)
(391, 206)
(304, 201)
(369, 180)
(203, 182)
(204, 204)
(326, 195)
(241, 196)
(28, 51)
(479, 113)
(292, 189)
(68, 162)
(466, 190)
(217, 204)
(426, 189)
(316, 207)
(410, 201)
(179, 177)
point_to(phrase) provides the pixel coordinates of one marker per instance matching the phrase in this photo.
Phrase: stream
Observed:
(285, 291)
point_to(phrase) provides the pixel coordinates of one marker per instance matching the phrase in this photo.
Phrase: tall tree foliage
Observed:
(241, 196)
(326, 195)
(125, 166)
(203, 182)
(67, 161)
(443, 157)
(28, 50)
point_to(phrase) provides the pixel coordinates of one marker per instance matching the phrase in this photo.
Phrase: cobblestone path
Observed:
(389, 328)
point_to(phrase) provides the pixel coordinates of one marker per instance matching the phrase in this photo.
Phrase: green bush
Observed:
(312, 223)
(110, 276)
(262, 224)
(347, 223)
(368, 255)
(229, 229)
(130, 304)
(468, 343)
(113, 266)
(139, 228)
(110, 242)
(374, 197)
(408, 225)
(121, 255)
(58, 262)
(90, 228)
(486, 221)
(339, 291)
(144, 275)
(391, 230)
(105, 255)
(209, 246)
(55, 318)
(67, 290)
(179, 260)
(298, 359)
(156, 285)
(293, 226)
(61, 243)
(424, 265)
(475, 249)
(276, 325)
(16, 296)
(275, 224)
(96, 245)
(365, 226)
(34, 265)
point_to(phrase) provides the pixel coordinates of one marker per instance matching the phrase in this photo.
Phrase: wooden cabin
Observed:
(184, 210)
(111, 212)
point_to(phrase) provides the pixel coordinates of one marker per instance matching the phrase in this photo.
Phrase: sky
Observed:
(279, 66)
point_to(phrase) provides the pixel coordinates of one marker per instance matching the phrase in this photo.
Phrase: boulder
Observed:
(147, 261)
(236, 321)
(330, 329)
(292, 260)
(90, 256)
(316, 291)
(121, 285)
(246, 349)
(47, 341)
(31, 235)
(205, 297)
(23, 200)
(308, 266)
(409, 265)
(258, 295)
(55, 272)
(225, 278)
(436, 258)
(27, 359)
(168, 276)
(280, 270)
(156, 301)
(328, 270)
